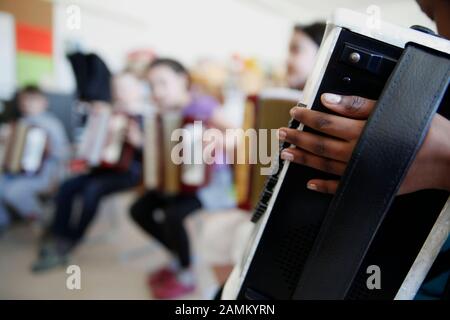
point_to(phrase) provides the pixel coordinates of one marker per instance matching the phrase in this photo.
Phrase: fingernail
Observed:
(293, 111)
(287, 156)
(311, 186)
(282, 135)
(332, 98)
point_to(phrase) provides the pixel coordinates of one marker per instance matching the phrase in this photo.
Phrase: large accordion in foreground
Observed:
(23, 148)
(309, 245)
(104, 141)
(161, 172)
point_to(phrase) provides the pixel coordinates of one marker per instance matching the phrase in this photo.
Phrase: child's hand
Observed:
(99, 107)
(134, 135)
(430, 169)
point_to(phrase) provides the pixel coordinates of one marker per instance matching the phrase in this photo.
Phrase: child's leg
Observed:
(144, 213)
(21, 194)
(182, 281)
(99, 186)
(64, 204)
(4, 214)
(4, 217)
(57, 243)
(175, 232)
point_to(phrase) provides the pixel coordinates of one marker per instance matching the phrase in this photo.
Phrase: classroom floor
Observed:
(114, 262)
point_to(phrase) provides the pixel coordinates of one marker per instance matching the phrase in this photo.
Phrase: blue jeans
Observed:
(20, 193)
(91, 188)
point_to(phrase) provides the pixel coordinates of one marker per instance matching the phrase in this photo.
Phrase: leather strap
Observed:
(386, 149)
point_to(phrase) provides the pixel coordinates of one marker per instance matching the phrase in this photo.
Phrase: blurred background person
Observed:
(64, 235)
(303, 47)
(20, 192)
(170, 84)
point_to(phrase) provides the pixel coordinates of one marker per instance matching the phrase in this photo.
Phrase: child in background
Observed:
(161, 215)
(92, 187)
(303, 48)
(21, 192)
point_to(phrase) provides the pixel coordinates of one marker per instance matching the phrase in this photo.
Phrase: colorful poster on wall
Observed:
(34, 54)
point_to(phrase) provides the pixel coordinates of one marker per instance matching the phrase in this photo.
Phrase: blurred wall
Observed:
(27, 27)
(188, 30)
(192, 29)
(7, 56)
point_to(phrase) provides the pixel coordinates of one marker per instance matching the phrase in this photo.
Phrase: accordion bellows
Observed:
(104, 143)
(268, 111)
(161, 172)
(22, 148)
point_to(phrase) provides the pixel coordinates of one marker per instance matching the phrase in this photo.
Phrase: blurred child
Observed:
(92, 187)
(303, 48)
(20, 192)
(161, 215)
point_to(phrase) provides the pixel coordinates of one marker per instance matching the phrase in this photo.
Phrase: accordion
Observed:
(22, 148)
(161, 172)
(269, 110)
(104, 141)
(309, 245)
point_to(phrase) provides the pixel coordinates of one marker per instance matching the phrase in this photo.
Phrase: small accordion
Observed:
(364, 242)
(161, 171)
(23, 148)
(104, 141)
(269, 111)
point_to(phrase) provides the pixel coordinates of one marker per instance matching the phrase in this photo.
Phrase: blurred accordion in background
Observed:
(22, 148)
(269, 110)
(104, 142)
(161, 172)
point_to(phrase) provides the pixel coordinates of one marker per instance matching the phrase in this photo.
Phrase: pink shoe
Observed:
(159, 276)
(171, 288)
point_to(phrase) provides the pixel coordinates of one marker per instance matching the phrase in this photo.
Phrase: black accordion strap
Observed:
(386, 149)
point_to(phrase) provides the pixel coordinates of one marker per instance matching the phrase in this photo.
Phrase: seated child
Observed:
(162, 215)
(63, 235)
(20, 192)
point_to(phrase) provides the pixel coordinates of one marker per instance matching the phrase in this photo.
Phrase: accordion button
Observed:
(354, 57)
